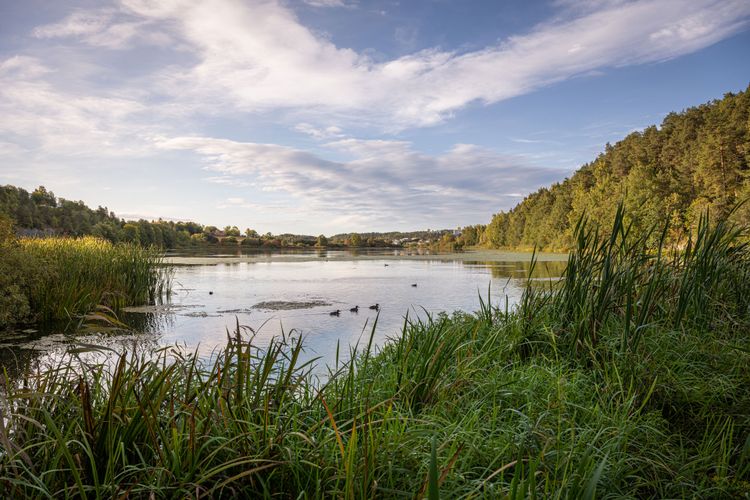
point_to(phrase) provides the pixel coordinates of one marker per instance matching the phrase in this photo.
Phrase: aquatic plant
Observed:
(67, 277)
(628, 379)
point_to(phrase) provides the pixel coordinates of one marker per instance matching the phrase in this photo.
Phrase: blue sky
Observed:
(327, 116)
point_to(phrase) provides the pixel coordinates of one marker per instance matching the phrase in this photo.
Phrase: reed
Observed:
(77, 275)
(629, 379)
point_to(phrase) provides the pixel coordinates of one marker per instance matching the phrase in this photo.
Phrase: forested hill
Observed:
(697, 159)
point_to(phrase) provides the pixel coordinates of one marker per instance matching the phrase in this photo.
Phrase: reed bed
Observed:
(628, 379)
(76, 275)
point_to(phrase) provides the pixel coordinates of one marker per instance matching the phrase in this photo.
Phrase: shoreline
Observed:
(467, 256)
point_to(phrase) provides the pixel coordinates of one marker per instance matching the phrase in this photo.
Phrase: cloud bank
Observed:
(383, 184)
(258, 56)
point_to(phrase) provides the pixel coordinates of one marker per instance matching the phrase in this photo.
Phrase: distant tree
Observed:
(130, 233)
(355, 240)
(469, 236)
(41, 196)
(251, 233)
(105, 231)
(231, 231)
(322, 241)
(6, 229)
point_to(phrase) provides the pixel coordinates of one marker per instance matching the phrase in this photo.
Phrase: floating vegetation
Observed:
(284, 305)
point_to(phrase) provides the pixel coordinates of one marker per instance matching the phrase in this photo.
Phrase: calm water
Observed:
(209, 299)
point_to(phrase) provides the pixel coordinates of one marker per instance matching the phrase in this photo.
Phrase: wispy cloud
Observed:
(108, 28)
(259, 56)
(255, 56)
(328, 132)
(384, 183)
(47, 118)
(326, 3)
(234, 203)
(256, 60)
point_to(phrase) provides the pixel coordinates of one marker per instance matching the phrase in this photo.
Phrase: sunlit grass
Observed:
(78, 274)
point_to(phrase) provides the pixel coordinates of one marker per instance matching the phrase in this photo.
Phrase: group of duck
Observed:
(355, 309)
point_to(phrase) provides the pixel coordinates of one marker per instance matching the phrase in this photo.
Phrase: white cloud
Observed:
(239, 57)
(328, 132)
(234, 203)
(325, 3)
(107, 27)
(77, 24)
(50, 119)
(384, 184)
(258, 56)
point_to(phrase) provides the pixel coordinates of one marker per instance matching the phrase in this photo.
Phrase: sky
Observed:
(330, 116)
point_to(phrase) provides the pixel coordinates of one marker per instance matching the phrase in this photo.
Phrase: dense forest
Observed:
(697, 160)
(41, 213)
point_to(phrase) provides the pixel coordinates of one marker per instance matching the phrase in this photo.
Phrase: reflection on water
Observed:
(520, 270)
(322, 253)
(298, 296)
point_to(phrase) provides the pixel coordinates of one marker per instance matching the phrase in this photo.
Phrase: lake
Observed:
(295, 292)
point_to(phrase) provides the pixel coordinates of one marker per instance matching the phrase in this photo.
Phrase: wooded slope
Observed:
(696, 159)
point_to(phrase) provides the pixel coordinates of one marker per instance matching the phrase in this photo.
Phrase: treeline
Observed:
(696, 160)
(443, 239)
(41, 213)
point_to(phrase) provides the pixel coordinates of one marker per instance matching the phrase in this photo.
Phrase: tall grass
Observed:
(629, 379)
(76, 275)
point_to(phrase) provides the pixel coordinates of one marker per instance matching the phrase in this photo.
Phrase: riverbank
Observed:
(629, 379)
(484, 256)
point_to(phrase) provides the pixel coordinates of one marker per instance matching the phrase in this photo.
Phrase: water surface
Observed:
(295, 293)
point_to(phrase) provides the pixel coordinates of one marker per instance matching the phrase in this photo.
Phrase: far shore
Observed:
(469, 255)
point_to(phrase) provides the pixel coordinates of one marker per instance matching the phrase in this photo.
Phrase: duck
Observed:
(376, 307)
(210, 292)
(414, 284)
(354, 309)
(336, 312)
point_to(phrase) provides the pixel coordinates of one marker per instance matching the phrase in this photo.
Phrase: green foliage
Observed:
(7, 232)
(697, 160)
(42, 214)
(61, 278)
(232, 231)
(628, 379)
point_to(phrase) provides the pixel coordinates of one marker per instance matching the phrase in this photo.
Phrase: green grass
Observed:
(64, 278)
(628, 379)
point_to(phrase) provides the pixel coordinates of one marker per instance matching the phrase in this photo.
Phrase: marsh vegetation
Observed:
(63, 279)
(628, 379)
